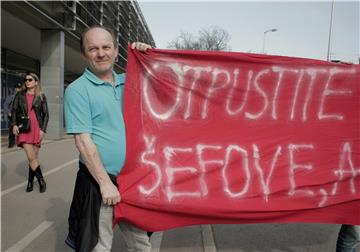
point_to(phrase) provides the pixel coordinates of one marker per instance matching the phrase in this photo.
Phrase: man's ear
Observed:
(117, 54)
(83, 57)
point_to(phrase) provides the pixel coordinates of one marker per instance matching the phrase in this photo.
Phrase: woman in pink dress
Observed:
(31, 103)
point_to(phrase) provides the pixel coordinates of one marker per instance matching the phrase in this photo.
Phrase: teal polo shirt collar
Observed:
(118, 78)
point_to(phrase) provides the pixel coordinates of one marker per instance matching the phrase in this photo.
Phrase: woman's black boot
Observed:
(40, 179)
(30, 185)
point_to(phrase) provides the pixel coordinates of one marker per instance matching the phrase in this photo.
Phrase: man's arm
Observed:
(7, 105)
(109, 192)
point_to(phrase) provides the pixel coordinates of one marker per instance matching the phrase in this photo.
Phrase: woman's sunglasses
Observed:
(29, 80)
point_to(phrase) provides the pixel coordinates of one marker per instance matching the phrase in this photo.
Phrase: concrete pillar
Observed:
(52, 79)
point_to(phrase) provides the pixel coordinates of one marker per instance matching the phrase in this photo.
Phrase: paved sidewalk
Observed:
(5, 141)
(274, 237)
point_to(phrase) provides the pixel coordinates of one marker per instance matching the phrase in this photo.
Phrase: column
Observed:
(52, 79)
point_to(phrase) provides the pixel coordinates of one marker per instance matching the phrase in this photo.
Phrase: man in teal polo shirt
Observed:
(93, 114)
(94, 106)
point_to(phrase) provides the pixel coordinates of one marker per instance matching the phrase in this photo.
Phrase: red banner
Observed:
(219, 137)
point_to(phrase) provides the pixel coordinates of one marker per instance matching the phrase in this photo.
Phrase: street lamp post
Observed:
(331, 30)
(265, 32)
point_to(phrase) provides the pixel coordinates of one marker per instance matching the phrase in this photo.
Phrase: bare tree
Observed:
(213, 38)
(184, 41)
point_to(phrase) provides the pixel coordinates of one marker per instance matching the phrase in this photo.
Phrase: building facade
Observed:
(43, 37)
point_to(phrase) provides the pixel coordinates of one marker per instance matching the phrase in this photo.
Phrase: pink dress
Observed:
(33, 136)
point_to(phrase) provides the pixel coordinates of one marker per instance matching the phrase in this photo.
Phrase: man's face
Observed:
(99, 51)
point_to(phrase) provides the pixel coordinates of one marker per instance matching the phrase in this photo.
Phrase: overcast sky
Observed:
(302, 27)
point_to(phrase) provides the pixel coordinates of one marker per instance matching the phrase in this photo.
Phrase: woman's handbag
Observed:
(24, 124)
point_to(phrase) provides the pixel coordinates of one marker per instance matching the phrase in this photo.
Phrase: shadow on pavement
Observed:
(275, 237)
